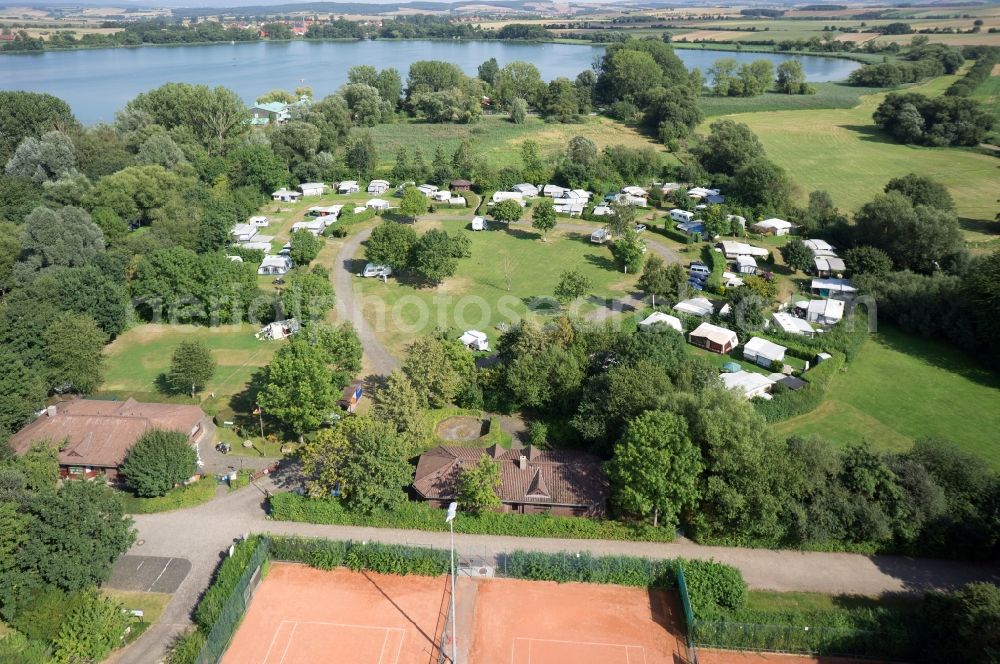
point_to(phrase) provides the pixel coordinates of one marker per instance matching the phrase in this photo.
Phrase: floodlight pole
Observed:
(452, 511)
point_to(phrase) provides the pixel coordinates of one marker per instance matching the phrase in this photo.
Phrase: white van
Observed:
(478, 224)
(699, 269)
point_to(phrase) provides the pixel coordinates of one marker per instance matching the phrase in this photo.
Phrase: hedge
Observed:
(717, 263)
(382, 558)
(674, 234)
(791, 403)
(288, 506)
(226, 577)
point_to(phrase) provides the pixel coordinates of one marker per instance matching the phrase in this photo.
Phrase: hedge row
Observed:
(677, 236)
(375, 557)
(791, 403)
(713, 587)
(421, 516)
(227, 576)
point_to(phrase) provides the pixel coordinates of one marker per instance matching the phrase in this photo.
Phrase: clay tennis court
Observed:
(541, 622)
(301, 615)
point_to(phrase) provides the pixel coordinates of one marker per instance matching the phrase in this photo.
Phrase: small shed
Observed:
(764, 353)
(714, 338)
(351, 396)
(243, 232)
(658, 318)
(750, 384)
(773, 226)
(475, 340)
(528, 190)
(275, 265)
(460, 185)
(790, 324)
(695, 306)
(286, 196)
(312, 188)
(746, 265)
(378, 187)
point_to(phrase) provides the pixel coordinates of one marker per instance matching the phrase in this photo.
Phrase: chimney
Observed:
(522, 462)
(50, 411)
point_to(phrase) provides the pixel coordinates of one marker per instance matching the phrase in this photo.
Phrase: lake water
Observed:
(96, 83)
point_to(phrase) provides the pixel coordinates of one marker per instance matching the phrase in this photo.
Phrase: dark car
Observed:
(224, 448)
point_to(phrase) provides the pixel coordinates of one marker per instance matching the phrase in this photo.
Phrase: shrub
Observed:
(186, 647)
(585, 568)
(226, 578)
(420, 516)
(159, 461)
(395, 559)
(713, 586)
(796, 402)
(94, 628)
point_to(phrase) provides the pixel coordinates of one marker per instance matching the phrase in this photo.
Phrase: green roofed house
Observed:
(273, 112)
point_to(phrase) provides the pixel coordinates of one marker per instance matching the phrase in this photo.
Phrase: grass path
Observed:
(900, 388)
(841, 151)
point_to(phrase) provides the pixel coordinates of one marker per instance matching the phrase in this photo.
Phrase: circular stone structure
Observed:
(459, 428)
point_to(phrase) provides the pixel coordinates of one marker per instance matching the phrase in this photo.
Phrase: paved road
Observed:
(202, 534)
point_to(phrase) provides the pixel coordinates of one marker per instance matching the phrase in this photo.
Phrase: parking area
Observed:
(148, 574)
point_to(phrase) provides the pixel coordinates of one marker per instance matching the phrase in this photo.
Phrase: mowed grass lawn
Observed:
(900, 388)
(499, 140)
(136, 359)
(841, 151)
(477, 297)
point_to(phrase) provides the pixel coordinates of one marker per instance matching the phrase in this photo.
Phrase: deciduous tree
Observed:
(573, 285)
(73, 347)
(477, 486)
(298, 387)
(656, 468)
(507, 211)
(158, 461)
(797, 255)
(191, 367)
(543, 216)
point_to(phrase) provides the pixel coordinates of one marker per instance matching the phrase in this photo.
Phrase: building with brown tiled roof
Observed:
(562, 482)
(94, 436)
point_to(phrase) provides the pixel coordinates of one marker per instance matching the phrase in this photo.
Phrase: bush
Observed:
(186, 647)
(94, 628)
(585, 568)
(375, 557)
(713, 586)
(16, 648)
(159, 461)
(226, 578)
(420, 516)
(796, 402)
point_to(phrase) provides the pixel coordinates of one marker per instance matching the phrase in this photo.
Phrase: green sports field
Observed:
(841, 151)
(901, 387)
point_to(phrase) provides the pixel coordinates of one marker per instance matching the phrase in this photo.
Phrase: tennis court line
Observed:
(295, 623)
(626, 646)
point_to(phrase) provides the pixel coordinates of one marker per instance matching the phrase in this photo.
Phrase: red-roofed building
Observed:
(532, 481)
(95, 436)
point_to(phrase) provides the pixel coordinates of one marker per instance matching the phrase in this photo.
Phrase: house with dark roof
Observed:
(94, 436)
(532, 481)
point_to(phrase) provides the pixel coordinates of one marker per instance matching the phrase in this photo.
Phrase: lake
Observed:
(96, 83)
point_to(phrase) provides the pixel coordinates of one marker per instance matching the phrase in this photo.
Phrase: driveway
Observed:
(203, 534)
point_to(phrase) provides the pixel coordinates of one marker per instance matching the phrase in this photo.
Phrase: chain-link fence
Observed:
(234, 607)
(800, 639)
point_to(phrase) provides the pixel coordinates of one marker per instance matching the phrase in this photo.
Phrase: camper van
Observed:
(373, 270)
(682, 216)
(478, 224)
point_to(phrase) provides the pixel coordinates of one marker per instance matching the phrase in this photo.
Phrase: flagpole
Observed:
(260, 415)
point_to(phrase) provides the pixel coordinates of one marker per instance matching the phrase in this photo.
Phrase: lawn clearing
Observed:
(498, 140)
(135, 361)
(151, 604)
(828, 95)
(901, 387)
(193, 494)
(841, 151)
(477, 297)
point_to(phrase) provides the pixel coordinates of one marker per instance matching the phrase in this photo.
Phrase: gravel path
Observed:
(380, 359)
(202, 534)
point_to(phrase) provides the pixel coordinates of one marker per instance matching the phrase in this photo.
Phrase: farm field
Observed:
(135, 360)
(498, 140)
(841, 151)
(902, 387)
(477, 297)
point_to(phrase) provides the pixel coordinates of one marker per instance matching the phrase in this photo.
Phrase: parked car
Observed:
(700, 270)
(224, 448)
(697, 285)
(373, 270)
